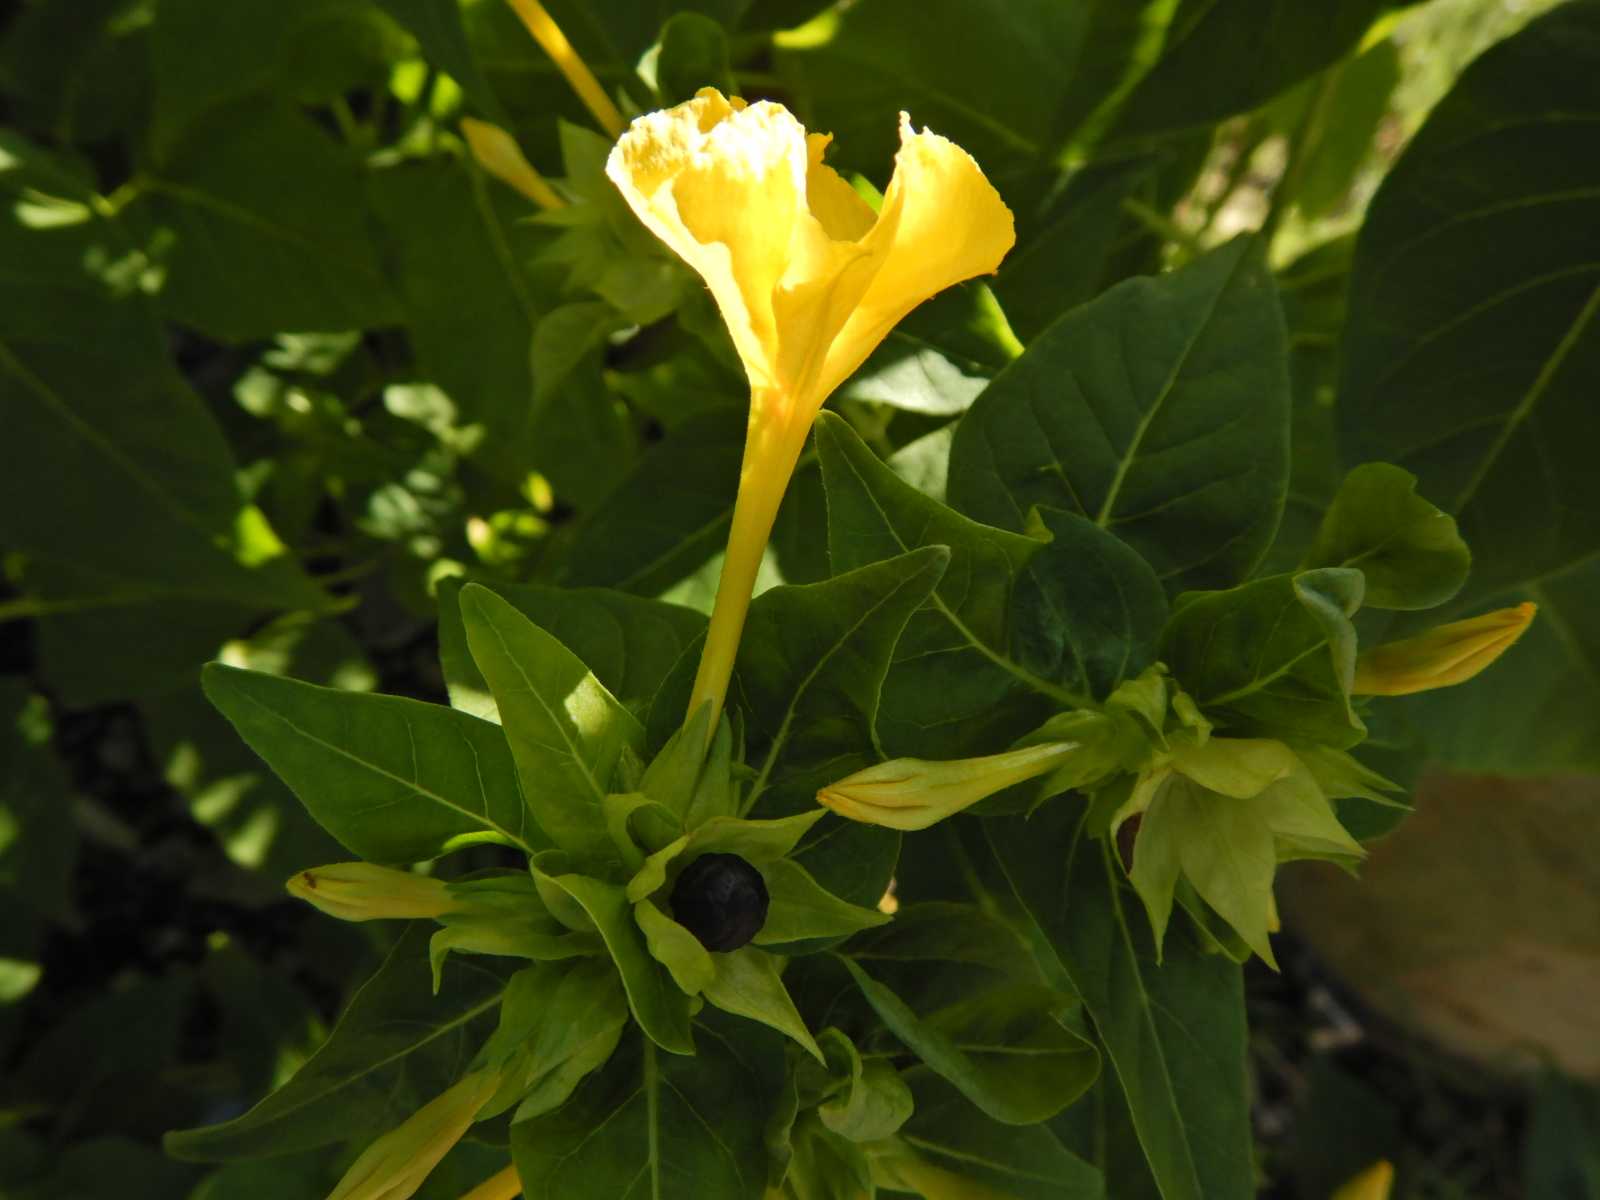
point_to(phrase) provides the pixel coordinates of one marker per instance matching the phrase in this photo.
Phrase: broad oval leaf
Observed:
(395, 780)
(1159, 411)
(1473, 349)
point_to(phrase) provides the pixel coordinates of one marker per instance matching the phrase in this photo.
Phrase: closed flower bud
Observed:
(1447, 655)
(359, 891)
(395, 1165)
(1372, 1184)
(913, 793)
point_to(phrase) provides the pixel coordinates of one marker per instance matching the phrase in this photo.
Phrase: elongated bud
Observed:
(1448, 655)
(913, 793)
(497, 152)
(506, 1185)
(567, 60)
(358, 891)
(395, 1165)
(1372, 1184)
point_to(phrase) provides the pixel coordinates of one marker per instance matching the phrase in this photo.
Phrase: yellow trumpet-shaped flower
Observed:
(808, 278)
(912, 793)
(359, 891)
(1450, 654)
(395, 1165)
(1372, 1184)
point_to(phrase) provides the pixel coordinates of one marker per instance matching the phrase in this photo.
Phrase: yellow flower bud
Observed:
(1372, 1184)
(395, 1165)
(912, 793)
(359, 891)
(809, 279)
(1447, 655)
(506, 1185)
(497, 152)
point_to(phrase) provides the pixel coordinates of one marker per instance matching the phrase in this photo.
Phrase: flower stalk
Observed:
(548, 34)
(808, 278)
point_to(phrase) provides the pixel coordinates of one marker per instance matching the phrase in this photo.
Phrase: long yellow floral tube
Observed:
(913, 793)
(808, 279)
(548, 34)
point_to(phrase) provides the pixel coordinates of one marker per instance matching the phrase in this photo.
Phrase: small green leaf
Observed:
(658, 1004)
(1408, 550)
(1273, 657)
(799, 907)
(567, 733)
(978, 1045)
(675, 948)
(747, 984)
(353, 1075)
(756, 841)
(504, 915)
(558, 1022)
(1159, 411)
(874, 1102)
(394, 780)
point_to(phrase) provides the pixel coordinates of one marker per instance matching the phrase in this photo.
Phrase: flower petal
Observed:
(723, 185)
(941, 222)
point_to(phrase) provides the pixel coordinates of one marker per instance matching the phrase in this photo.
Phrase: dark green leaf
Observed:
(1175, 1033)
(347, 1087)
(1274, 657)
(567, 733)
(1473, 345)
(1562, 1153)
(955, 687)
(1004, 1048)
(1023, 1161)
(1409, 551)
(1158, 411)
(456, 255)
(248, 249)
(653, 1126)
(394, 780)
(669, 516)
(1222, 59)
(38, 840)
(439, 30)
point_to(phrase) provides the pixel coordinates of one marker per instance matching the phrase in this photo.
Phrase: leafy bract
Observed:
(1159, 411)
(1275, 656)
(1408, 551)
(394, 780)
(567, 733)
(629, 643)
(659, 1005)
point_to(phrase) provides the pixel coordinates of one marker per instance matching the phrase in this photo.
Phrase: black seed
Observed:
(721, 899)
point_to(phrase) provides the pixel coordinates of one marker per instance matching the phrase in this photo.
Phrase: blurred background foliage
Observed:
(277, 356)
